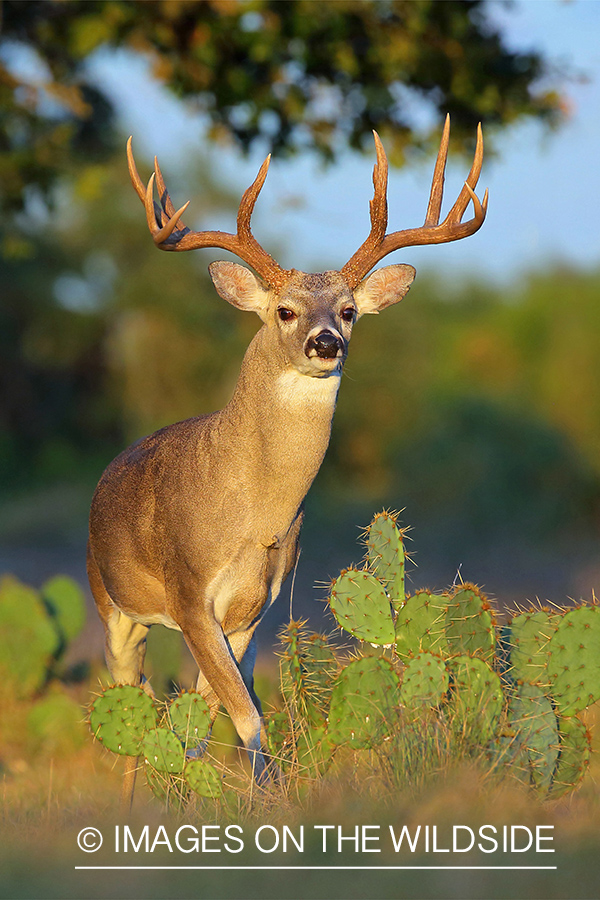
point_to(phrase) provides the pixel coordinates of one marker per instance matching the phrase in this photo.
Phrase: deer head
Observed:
(314, 314)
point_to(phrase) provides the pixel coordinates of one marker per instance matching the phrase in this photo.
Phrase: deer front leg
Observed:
(242, 646)
(221, 675)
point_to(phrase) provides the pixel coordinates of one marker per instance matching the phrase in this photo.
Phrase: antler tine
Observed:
(378, 205)
(437, 183)
(134, 174)
(163, 220)
(150, 206)
(378, 244)
(249, 199)
(163, 194)
(466, 195)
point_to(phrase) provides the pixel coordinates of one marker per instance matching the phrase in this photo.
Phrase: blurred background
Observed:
(473, 406)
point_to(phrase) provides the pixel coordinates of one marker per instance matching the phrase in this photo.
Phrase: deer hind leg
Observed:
(124, 639)
(125, 649)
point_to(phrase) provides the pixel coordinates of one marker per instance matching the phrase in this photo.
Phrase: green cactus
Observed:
(574, 660)
(425, 682)
(55, 723)
(163, 751)
(536, 740)
(527, 636)
(574, 755)
(420, 625)
(297, 744)
(363, 702)
(28, 639)
(279, 736)
(361, 606)
(189, 715)
(385, 555)
(314, 751)
(171, 790)
(308, 669)
(121, 716)
(65, 602)
(469, 624)
(451, 699)
(203, 778)
(477, 697)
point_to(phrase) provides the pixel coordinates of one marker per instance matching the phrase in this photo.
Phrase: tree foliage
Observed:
(299, 73)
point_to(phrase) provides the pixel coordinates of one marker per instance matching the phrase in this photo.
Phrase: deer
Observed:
(197, 526)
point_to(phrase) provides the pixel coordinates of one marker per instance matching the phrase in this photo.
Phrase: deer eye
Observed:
(285, 314)
(347, 315)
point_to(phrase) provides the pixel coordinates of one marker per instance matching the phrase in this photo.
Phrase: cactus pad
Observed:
(527, 636)
(425, 681)
(55, 723)
(385, 555)
(420, 625)
(28, 639)
(308, 670)
(278, 727)
(190, 718)
(477, 697)
(363, 700)
(203, 778)
(533, 721)
(163, 751)
(469, 624)
(361, 606)
(65, 602)
(573, 757)
(169, 789)
(121, 716)
(574, 660)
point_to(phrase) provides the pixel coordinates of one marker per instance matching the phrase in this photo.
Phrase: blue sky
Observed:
(544, 187)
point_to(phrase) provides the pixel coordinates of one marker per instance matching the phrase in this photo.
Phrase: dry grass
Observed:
(47, 797)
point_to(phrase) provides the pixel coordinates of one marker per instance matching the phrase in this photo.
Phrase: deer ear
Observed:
(240, 287)
(383, 288)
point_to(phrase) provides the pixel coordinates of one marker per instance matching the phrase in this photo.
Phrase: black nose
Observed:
(326, 345)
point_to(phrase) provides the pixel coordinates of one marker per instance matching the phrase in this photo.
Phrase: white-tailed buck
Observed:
(196, 526)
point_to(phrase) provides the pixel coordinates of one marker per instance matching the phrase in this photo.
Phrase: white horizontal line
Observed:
(320, 868)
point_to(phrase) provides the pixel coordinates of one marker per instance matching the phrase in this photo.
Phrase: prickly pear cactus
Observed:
(163, 751)
(54, 723)
(420, 625)
(527, 637)
(573, 757)
(363, 702)
(385, 555)
(65, 602)
(120, 718)
(425, 681)
(360, 604)
(574, 660)
(190, 718)
(536, 739)
(203, 779)
(469, 624)
(28, 639)
(477, 698)
(308, 668)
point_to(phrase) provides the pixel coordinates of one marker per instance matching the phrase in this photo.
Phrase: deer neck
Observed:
(282, 422)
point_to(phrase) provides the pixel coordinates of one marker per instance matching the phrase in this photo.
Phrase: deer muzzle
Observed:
(325, 345)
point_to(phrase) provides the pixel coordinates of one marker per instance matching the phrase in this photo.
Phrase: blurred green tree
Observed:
(300, 73)
(97, 344)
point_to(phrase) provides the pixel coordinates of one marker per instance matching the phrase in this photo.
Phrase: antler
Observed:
(170, 233)
(379, 244)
